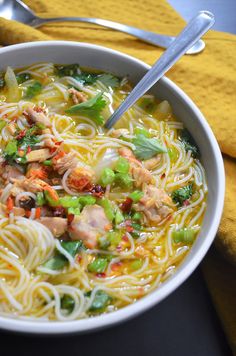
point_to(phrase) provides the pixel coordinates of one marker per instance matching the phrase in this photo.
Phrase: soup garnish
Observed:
(90, 220)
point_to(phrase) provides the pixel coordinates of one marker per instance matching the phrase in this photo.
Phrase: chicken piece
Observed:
(11, 172)
(155, 204)
(140, 174)
(57, 226)
(81, 179)
(36, 170)
(77, 96)
(38, 155)
(37, 117)
(152, 162)
(48, 142)
(33, 185)
(61, 163)
(89, 225)
(119, 132)
(16, 211)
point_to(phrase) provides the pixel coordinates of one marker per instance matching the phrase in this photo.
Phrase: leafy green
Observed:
(91, 108)
(146, 148)
(108, 208)
(189, 143)
(11, 148)
(107, 177)
(68, 303)
(59, 261)
(122, 165)
(23, 77)
(33, 90)
(100, 301)
(109, 80)
(180, 195)
(86, 78)
(119, 217)
(136, 195)
(70, 70)
(99, 265)
(185, 235)
(124, 180)
(69, 201)
(87, 200)
(74, 211)
(29, 139)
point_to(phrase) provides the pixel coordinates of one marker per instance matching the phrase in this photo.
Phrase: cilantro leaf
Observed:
(91, 108)
(86, 78)
(180, 195)
(70, 70)
(33, 90)
(100, 301)
(146, 148)
(11, 148)
(109, 80)
(189, 143)
(23, 77)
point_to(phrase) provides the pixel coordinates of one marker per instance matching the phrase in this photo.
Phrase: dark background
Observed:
(183, 324)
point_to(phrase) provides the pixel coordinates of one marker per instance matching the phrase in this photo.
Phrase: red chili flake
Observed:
(27, 213)
(21, 134)
(129, 228)
(116, 266)
(126, 205)
(186, 203)
(163, 176)
(58, 143)
(101, 275)
(38, 109)
(79, 258)
(28, 149)
(70, 218)
(52, 150)
(125, 238)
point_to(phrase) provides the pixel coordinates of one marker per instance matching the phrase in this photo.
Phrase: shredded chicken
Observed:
(155, 204)
(37, 117)
(80, 179)
(152, 162)
(57, 226)
(89, 225)
(77, 96)
(38, 155)
(140, 174)
(119, 132)
(62, 164)
(36, 170)
(10, 172)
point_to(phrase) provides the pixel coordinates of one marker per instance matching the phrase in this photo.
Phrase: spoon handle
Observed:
(199, 25)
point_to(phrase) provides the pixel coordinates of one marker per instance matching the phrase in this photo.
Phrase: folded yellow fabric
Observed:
(208, 78)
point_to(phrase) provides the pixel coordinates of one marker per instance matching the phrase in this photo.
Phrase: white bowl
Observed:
(93, 56)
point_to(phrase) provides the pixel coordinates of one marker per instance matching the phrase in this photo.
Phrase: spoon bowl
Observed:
(17, 10)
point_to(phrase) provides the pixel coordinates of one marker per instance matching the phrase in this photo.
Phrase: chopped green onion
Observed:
(51, 201)
(100, 301)
(136, 226)
(107, 177)
(136, 264)
(87, 200)
(74, 211)
(124, 180)
(114, 237)
(103, 242)
(48, 162)
(11, 148)
(40, 199)
(33, 90)
(137, 216)
(122, 165)
(173, 154)
(185, 235)
(68, 303)
(119, 217)
(23, 77)
(40, 125)
(136, 195)
(107, 206)
(99, 265)
(69, 202)
(66, 70)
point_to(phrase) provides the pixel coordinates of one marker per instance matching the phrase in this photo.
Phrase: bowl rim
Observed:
(145, 303)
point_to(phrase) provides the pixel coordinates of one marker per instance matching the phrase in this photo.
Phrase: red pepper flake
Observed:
(21, 134)
(37, 213)
(101, 275)
(27, 213)
(70, 218)
(126, 205)
(52, 150)
(38, 109)
(28, 149)
(163, 176)
(129, 228)
(125, 238)
(79, 258)
(10, 203)
(116, 266)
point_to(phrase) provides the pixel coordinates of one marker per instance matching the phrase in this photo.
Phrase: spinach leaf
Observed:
(91, 108)
(146, 148)
(189, 143)
(180, 195)
(59, 261)
(23, 77)
(100, 301)
(33, 90)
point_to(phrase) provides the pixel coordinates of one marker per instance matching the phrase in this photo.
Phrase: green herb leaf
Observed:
(68, 303)
(87, 200)
(189, 143)
(69, 70)
(136, 195)
(11, 148)
(186, 235)
(100, 301)
(99, 265)
(72, 247)
(146, 148)
(91, 108)
(109, 80)
(180, 195)
(86, 78)
(107, 177)
(30, 138)
(23, 77)
(124, 180)
(33, 90)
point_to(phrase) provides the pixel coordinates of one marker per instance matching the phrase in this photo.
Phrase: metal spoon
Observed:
(199, 25)
(17, 10)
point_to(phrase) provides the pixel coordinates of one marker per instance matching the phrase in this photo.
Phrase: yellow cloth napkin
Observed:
(208, 78)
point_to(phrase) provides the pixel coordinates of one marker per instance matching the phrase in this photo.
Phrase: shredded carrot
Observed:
(40, 173)
(37, 213)
(27, 213)
(59, 155)
(51, 191)
(10, 203)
